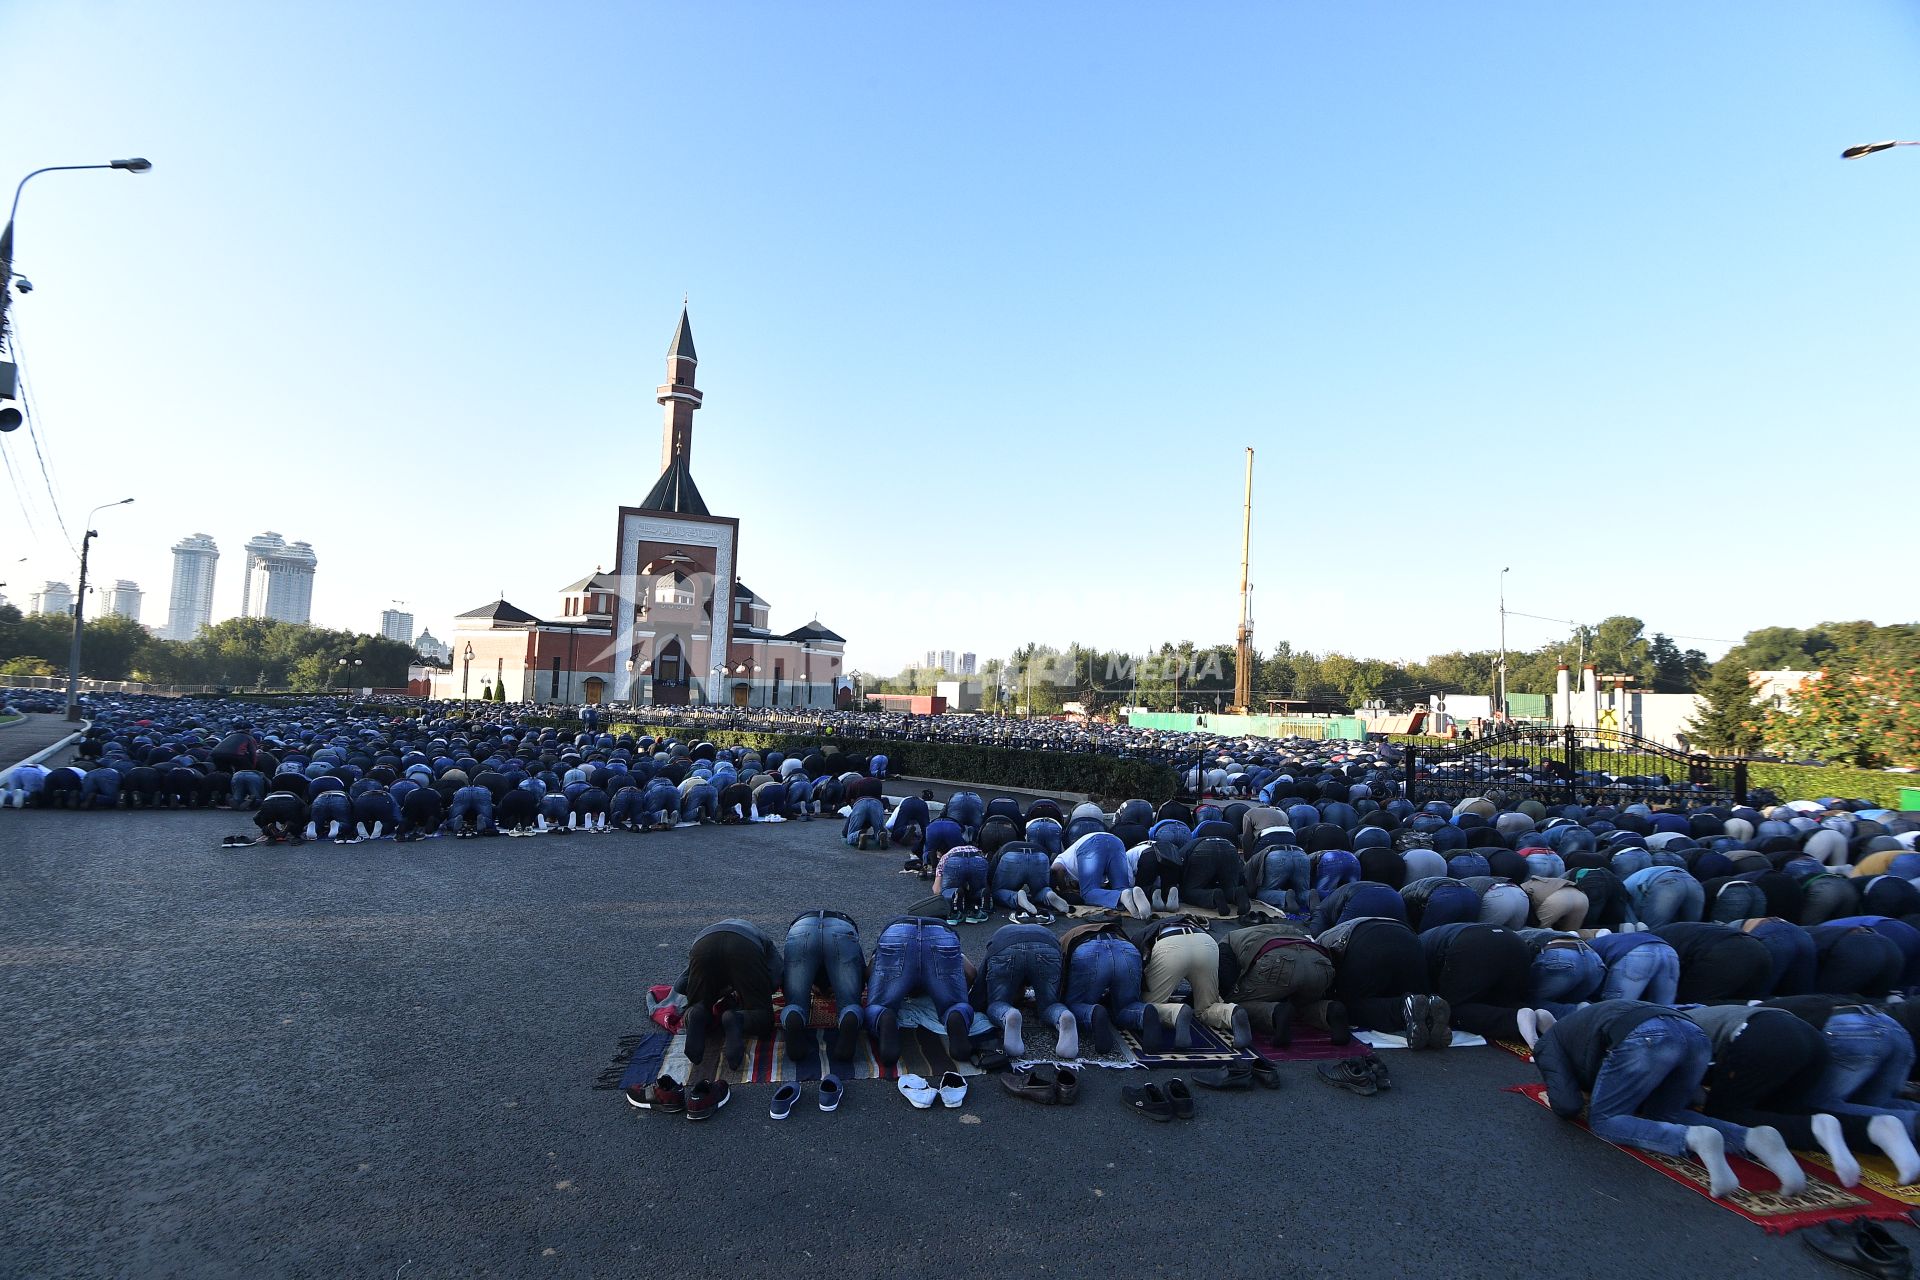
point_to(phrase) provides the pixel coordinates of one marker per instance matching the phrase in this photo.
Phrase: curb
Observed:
(61, 745)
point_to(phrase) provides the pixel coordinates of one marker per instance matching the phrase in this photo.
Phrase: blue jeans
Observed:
(868, 815)
(1106, 972)
(1100, 865)
(1020, 869)
(700, 804)
(1645, 1086)
(914, 957)
(1288, 879)
(1796, 961)
(333, 806)
(1650, 973)
(625, 808)
(969, 810)
(1668, 898)
(101, 788)
(1736, 901)
(963, 871)
(1046, 833)
(249, 787)
(554, 808)
(823, 947)
(1628, 861)
(1868, 1057)
(1027, 963)
(660, 804)
(1083, 827)
(1564, 976)
(468, 802)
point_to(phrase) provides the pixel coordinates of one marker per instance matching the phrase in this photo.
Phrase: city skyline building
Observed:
(969, 664)
(427, 645)
(190, 598)
(55, 597)
(124, 599)
(279, 581)
(396, 624)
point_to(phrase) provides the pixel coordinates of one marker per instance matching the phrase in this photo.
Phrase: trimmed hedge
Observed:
(1104, 777)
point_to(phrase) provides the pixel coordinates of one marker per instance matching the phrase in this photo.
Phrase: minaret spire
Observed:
(678, 396)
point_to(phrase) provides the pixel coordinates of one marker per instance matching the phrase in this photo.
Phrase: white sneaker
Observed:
(916, 1090)
(953, 1089)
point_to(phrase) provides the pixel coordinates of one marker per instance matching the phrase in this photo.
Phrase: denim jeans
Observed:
(101, 788)
(969, 810)
(1665, 898)
(964, 868)
(823, 950)
(1737, 900)
(1650, 972)
(1083, 827)
(660, 803)
(700, 804)
(1563, 976)
(1868, 1057)
(1287, 880)
(915, 957)
(1101, 868)
(1645, 1086)
(468, 802)
(625, 808)
(869, 815)
(1046, 833)
(1035, 963)
(330, 807)
(1106, 972)
(248, 787)
(1627, 862)
(1020, 869)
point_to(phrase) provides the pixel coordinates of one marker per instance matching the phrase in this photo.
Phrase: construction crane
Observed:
(1243, 652)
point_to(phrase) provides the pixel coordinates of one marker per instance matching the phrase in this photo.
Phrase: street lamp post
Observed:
(80, 603)
(10, 417)
(1867, 149)
(342, 664)
(466, 673)
(1500, 712)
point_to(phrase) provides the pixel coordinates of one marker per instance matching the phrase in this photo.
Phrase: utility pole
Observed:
(1500, 711)
(1243, 653)
(80, 605)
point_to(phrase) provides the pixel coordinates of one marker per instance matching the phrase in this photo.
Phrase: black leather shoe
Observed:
(1863, 1247)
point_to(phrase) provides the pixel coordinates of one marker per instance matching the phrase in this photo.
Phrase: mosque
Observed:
(671, 624)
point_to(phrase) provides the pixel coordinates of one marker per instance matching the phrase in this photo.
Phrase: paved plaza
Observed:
(376, 1060)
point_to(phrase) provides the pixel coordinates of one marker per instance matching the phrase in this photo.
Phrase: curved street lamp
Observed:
(138, 164)
(1867, 149)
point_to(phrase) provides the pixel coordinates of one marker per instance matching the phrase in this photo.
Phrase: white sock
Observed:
(312, 833)
(1023, 902)
(1158, 900)
(333, 831)
(1543, 1020)
(1010, 1033)
(1826, 1131)
(1067, 1034)
(599, 822)
(377, 828)
(1529, 1027)
(540, 821)
(1765, 1145)
(1710, 1149)
(1059, 904)
(1173, 899)
(1891, 1136)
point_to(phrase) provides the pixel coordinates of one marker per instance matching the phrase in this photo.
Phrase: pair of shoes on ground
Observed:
(950, 1092)
(1429, 1022)
(1048, 1085)
(666, 1094)
(1365, 1075)
(1159, 1103)
(1240, 1075)
(1865, 1247)
(787, 1096)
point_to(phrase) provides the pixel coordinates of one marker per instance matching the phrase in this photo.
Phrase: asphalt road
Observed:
(376, 1061)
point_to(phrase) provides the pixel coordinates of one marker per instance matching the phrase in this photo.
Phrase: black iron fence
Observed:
(1557, 765)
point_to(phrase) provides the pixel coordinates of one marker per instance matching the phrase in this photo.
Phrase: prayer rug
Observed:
(1518, 1048)
(1208, 1050)
(1876, 1171)
(1042, 1049)
(1822, 1201)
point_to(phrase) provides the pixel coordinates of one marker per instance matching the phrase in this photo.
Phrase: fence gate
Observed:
(1572, 766)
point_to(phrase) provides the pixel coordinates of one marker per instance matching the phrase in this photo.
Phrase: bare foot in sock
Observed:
(1173, 899)
(1012, 1037)
(1529, 1027)
(1055, 903)
(1543, 1020)
(1765, 1145)
(1826, 1131)
(1022, 901)
(1066, 1035)
(1710, 1149)
(1888, 1134)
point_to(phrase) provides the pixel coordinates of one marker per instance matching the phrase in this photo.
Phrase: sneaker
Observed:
(1415, 1009)
(1349, 1074)
(706, 1098)
(783, 1099)
(1377, 1069)
(953, 1089)
(830, 1093)
(955, 914)
(1439, 1023)
(978, 913)
(917, 1091)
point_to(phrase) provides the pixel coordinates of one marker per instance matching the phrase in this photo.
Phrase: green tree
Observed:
(1729, 721)
(1866, 713)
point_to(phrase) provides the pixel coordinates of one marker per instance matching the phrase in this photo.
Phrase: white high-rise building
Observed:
(396, 625)
(55, 597)
(125, 599)
(279, 581)
(190, 601)
(427, 645)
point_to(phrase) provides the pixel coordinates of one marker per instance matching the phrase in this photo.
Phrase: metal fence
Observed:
(1572, 766)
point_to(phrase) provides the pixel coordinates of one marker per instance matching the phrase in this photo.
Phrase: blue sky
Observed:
(988, 300)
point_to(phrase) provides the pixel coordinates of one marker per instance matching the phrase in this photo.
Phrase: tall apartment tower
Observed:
(190, 601)
(55, 597)
(395, 624)
(124, 600)
(279, 582)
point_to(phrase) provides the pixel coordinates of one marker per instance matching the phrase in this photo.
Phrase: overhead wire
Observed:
(33, 434)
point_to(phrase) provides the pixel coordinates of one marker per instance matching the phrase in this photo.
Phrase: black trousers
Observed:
(1736, 967)
(1213, 879)
(1382, 965)
(1861, 961)
(731, 970)
(1484, 976)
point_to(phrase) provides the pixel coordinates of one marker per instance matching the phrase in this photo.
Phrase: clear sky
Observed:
(988, 300)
